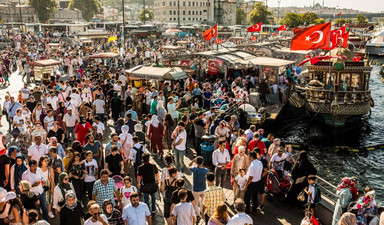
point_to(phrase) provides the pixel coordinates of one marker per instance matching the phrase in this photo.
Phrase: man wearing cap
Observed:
(69, 122)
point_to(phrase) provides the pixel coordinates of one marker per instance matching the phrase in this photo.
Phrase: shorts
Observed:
(167, 210)
(312, 206)
(261, 187)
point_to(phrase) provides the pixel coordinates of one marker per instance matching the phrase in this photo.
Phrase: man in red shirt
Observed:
(256, 142)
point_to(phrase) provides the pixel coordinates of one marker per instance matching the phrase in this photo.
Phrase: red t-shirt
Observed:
(256, 143)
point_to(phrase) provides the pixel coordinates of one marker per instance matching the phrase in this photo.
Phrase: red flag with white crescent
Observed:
(210, 33)
(282, 28)
(253, 38)
(254, 28)
(312, 37)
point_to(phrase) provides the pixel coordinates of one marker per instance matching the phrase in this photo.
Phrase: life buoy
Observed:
(372, 103)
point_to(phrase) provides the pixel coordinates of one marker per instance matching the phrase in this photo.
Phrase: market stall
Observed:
(104, 55)
(44, 70)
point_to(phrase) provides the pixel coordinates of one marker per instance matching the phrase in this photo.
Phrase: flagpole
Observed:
(330, 61)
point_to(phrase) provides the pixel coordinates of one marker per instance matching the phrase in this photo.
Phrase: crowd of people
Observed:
(80, 149)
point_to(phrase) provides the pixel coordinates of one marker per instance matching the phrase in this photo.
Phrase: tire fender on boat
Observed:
(372, 103)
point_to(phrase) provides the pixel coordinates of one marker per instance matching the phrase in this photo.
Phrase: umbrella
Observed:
(112, 39)
(173, 31)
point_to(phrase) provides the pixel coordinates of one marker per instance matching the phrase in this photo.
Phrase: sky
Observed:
(363, 5)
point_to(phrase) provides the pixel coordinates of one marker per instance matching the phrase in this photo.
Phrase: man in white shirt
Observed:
(100, 127)
(35, 177)
(172, 108)
(240, 218)
(53, 99)
(70, 121)
(253, 184)
(97, 218)
(183, 212)
(136, 213)
(220, 159)
(75, 98)
(37, 150)
(179, 146)
(99, 107)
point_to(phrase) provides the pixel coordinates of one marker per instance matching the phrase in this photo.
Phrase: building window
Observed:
(183, 18)
(189, 3)
(183, 13)
(193, 3)
(174, 3)
(201, 13)
(170, 12)
(193, 12)
(170, 3)
(189, 12)
(174, 12)
(183, 3)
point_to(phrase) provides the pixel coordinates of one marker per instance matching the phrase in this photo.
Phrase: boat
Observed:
(337, 91)
(376, 46)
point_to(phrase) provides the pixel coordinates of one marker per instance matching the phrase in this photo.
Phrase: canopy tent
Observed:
(172, 47)
(104, 55)
(287, 50)
(54, 44)
(267, 61)
(46, 62)
(156, 73)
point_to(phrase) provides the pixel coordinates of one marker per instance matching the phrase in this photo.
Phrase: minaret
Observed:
(323, 4)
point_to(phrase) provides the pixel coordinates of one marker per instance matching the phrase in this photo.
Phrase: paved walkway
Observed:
(273, 215)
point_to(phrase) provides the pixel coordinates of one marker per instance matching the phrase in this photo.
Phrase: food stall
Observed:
(44, 70)
(155, 74)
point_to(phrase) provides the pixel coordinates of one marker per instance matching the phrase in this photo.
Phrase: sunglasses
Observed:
(65, 178)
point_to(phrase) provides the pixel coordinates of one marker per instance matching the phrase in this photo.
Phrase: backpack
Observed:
(169, 190)
(139, 155)
(317, 198)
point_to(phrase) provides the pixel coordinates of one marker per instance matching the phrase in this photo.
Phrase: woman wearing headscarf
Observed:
(71, 213)
(273, 149)
(116, 105)
(126, 143)
(300, 172)
(155, 134)
(161, 111)
(365, 207)
(344, 197)
(239, 161)
(81, 130)
(347, 219)
(17, 171)
(60, 190)
(113, 215)
(60, 112)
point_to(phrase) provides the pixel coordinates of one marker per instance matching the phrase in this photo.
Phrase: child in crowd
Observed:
(312, 191)
(289, 160)
(240, 181)
(126, 191)
(114, 162)
(68, 156)
(91, 171)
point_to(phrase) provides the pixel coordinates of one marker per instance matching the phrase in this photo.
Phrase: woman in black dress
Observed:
(71, 213)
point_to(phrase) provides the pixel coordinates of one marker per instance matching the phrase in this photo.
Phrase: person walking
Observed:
(147, 181)
(253, 183)
(155, 134)
(137, 213)
(213, 196)
(183, 212)
(241, 217)
(60, 191)
(71, 213)
(105, 188)
(179, 146)
(199, 182)
(220, 159)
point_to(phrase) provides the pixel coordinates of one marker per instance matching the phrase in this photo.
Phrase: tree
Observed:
(361, 19)
(148, 15)
(292, 19)
(310, 18)
(340, 21)
(44, 8)
(259, 14)
(88, 8)
(240, 16)
(319, 21)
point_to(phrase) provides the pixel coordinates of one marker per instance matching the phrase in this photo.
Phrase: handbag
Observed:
(149, 188)
(301, 196)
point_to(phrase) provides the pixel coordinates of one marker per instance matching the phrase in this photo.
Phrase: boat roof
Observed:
(268, 61)
(287, 50)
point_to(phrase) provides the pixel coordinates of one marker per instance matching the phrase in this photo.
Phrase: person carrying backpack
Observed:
(168, 187)
(136, 154)
(314, 194)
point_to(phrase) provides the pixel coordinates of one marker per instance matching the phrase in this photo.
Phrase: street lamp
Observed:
(122, 33)
(21, 17)
(278, 11)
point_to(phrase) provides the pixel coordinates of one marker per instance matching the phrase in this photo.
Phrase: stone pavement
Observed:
(273, 214)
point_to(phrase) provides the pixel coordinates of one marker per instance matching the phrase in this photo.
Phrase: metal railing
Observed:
(327, 189)
(329, 96)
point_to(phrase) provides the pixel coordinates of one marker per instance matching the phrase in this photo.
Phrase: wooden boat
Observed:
(337, 92)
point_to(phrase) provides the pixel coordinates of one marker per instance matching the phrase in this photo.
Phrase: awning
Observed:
(267, 61)
(46, 62)
(54, 44)
(156, 73)
(104, 55)
(287, 50)
(172, 47)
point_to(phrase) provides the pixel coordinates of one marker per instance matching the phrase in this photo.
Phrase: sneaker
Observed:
(50, 214)
(260, 208)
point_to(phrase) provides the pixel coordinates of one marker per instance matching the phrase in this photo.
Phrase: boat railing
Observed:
(313, 94)
(327, 189)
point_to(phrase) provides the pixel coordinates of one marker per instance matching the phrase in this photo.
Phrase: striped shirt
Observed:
(212, 197)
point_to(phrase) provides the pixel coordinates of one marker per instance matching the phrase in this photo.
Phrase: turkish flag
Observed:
(256, 27)
(339, 40)
(312, 37)
(338, 32)
(253, 38)
(356, 59)
(339, 14)
(184, 62)
(275, 34)
(213, 66)
(210, 33)
(218, 41)
(281, 28)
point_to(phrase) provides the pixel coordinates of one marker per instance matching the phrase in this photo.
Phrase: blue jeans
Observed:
(179, 160)
(153, 200)
(89, 188)
(43, 205)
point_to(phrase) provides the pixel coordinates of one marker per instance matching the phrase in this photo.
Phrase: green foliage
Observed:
(319, 21)
(88, 8)
(361, 19)
(44, 8)
(149, 15)
(310, 18)
(292, 19)
(113, 3)
(240, 16)
(259, 14)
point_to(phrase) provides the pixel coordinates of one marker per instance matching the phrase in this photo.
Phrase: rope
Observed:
(339, 148)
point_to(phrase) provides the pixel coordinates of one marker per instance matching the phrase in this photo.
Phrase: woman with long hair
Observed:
(49, 175)
(169, 127)
(116, 106)
(155, 134)
(71, 213)
(113, 215)
(76, 168)
(221, 215)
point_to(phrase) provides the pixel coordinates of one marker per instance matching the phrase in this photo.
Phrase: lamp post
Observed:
(144, 11)
(122, 33)
(21, 17)
(278, 11)
(178, 13)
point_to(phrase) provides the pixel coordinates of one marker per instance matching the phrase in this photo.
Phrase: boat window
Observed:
(344, 82)
(356, 84)
(330, 81)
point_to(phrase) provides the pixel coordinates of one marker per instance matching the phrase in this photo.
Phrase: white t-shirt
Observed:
(99, 106)
(172, 110)
(25, 92)
(49, 122)
(278, 161)
(123, 80)
(53, 100)
(100, 127)
(89, 221)
(70, 121)
(184, 213)
(20, 121)
(126, 193)
(182, 145)
(241, 181)
(91, 168)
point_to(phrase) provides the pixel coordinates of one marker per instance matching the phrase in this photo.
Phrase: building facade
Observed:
(66, 16)
(11, 14)
(247, 7)
(191, 12)
(225, 12)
